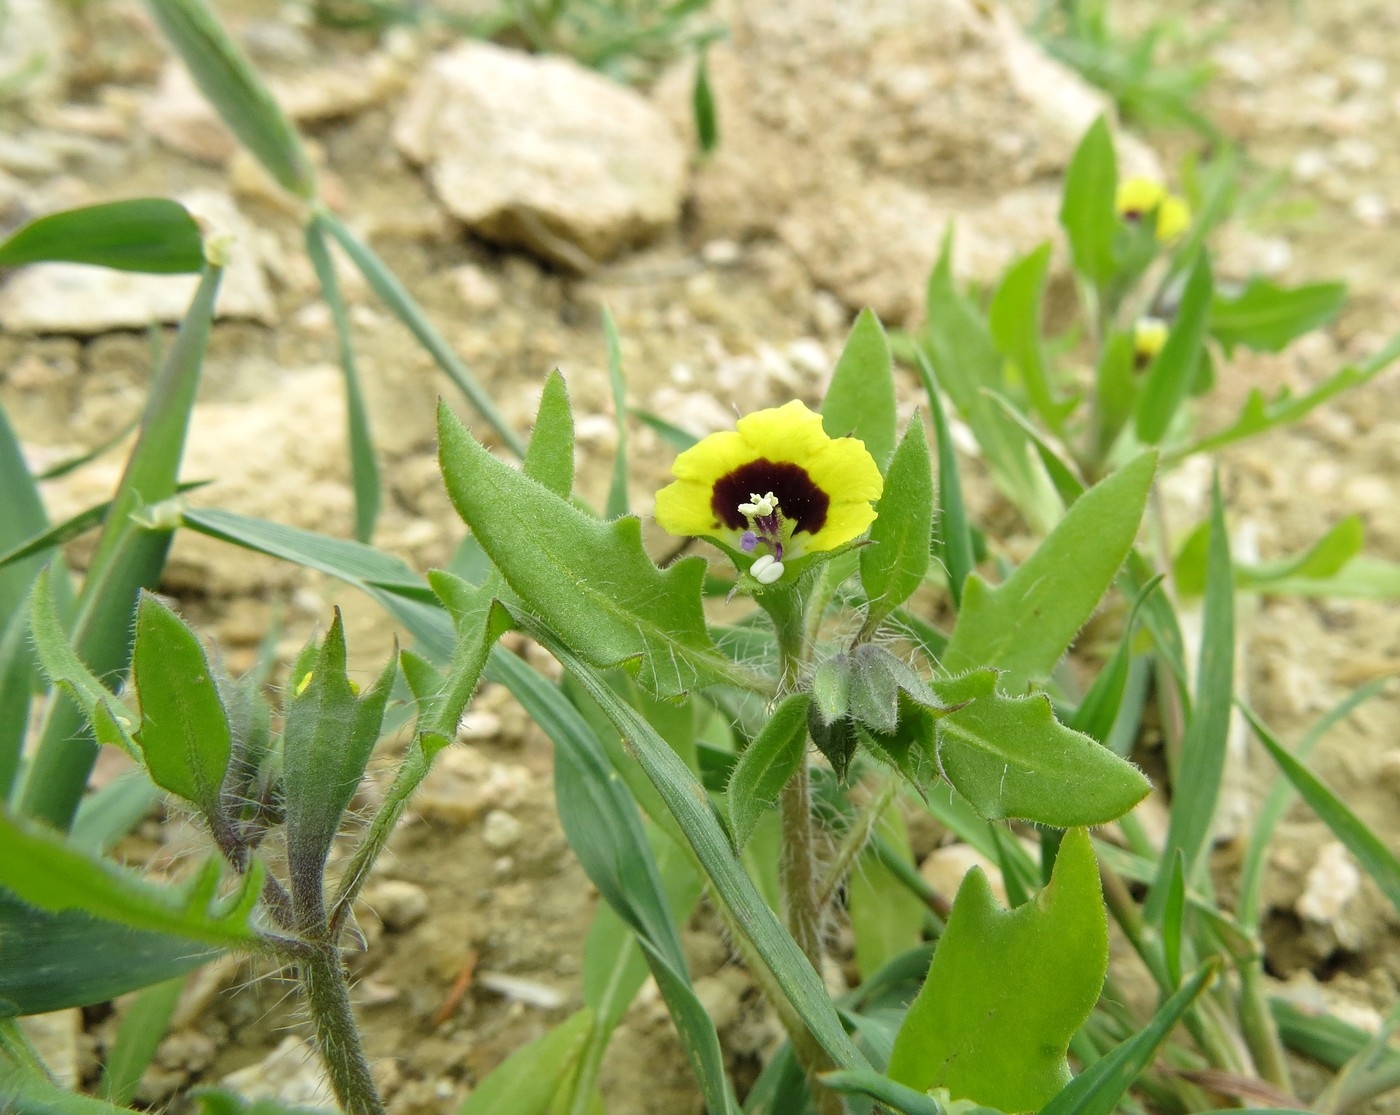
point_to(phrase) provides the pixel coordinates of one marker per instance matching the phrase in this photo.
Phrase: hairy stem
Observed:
(323, 980)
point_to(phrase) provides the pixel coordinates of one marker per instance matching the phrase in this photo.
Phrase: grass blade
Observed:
(364, 466)
(138, 1036)
(150, 234)
(394, 295)
(617, 490)
(954, 530)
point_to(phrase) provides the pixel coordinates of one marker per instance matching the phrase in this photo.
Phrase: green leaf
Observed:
(143, 1025)
(1173, 372)
(894, 563)
(74, 960)
(1375, 858)
(549, 457)
(953, 537)
(185, 738)
(1196, 786)
(28, 1090)
(617, 488)
(526, 1081)
(1008, 989)
(41, 868)
(1097, 1090)
(1024, 625)
(1323, 559)
(1010, 757)
(690, 805)
(1014, 321)
(766, 766)
(149, 234)
(1259, 414)
(364, 466)
(1098, 711)
(591, 581)
(1087, 211)
(128, 557)
(1266, 317)
(860, 400)
(327, 741)
(395, 296)
(895, 1097)
(1116, 386)
(703, 106)
(966, 362)
(235, 91)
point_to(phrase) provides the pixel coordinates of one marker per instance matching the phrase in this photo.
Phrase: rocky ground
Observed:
(851, 133)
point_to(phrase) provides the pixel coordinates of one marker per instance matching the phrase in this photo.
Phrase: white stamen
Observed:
(761, 506)
(767, 569)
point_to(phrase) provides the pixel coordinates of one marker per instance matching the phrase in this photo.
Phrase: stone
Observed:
(80, 300)
(501, 831)
(400, 904)
(1333, 883)
(178, 116)
(931, 111)
(945, 867)
(291, 1074)
(542, 153)
(33, 52)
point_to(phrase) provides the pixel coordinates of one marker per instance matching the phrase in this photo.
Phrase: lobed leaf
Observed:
(1008, 989)
(591, 581)
(1266, 317)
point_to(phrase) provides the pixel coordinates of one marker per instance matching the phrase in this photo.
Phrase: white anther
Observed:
(761, 506)
(767, 569)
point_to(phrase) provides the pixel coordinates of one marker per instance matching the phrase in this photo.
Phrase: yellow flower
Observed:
(777, 486)
(1149, 335)
(1138, 197)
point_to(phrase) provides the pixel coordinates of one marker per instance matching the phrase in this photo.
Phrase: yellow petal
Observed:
(683, 509)
(790, 432)
(1137, 196)
(1173, 218)
(845, 470)
(845, 522)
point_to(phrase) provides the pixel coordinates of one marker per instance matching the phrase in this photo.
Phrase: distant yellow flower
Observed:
(777, 486)
(1138, 197)
(1149, 335)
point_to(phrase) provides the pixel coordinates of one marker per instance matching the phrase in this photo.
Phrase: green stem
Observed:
(327, 989)
(1258, 1026)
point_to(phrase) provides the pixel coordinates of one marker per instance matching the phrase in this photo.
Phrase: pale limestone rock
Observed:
(945, 868)
(1333, 883)
(928, 111)
(80, 300)
(290, 1074)
(33, 55)
(540, 152)
(501, 831)
(400, 904)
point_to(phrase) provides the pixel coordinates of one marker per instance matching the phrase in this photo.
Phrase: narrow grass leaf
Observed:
(860, 399)
(1172, 373)
(689, 804)
(1279, 796)
(1267, 317)
(127, 559)
(1375, 858)
(678, 439)
(110, 812)
(1196, 788)
(73, 960)
(702, 105)
(1173, 917)
(235, 91)
(1086, 212)
(32, 1091)
(1024, 625)
(892, 567)
(395, 295)
(1008, 989)
(1014, 321)
(591, 581)
(40, 867)
(1098, 711)
(185, 735)
(953, 529)
(617, 503)
(139, 1033)
(1099, 1088)
(22, 517)
(549, 457)
(766, 766)
(364, 464)
(149, 234)
(1284, 409)
(895, 1097)
(887, 919)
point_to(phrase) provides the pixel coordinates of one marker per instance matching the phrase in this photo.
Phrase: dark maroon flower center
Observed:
(799, 498)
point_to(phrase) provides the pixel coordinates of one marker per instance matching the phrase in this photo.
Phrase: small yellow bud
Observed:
(1173, 218)
(1149, 335)
(1137, 197)
(304, 682)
